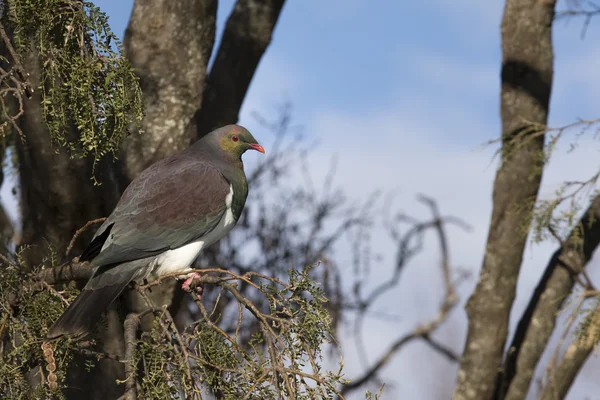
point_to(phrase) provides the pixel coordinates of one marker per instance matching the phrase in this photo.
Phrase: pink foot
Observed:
(189, 286)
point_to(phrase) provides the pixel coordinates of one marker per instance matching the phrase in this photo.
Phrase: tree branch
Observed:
(539, 318)
(560, 377)
(74, 271)
(80, 231)
(246, 37)
(527, 70)
(587, 11)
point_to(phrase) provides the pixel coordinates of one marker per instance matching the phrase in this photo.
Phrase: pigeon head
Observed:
(234, 140)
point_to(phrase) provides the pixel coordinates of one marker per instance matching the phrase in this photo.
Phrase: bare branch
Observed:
(425, 330)
(80, 231)
(587, 11)
(441, 348)
(24, 84)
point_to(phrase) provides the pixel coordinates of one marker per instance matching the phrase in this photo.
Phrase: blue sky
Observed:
(404, 94)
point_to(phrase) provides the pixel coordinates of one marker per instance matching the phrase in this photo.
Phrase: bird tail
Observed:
(93, 300)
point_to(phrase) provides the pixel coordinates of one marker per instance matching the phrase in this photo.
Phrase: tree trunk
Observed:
(247, 34)
(169, 44)
(527, 68)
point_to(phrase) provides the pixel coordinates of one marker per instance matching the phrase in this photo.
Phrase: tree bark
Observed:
(527, 68)
(246, 37)
(169, 44)
(562, 376)
(539, 319)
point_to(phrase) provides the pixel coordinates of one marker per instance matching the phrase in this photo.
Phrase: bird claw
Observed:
(190, 286)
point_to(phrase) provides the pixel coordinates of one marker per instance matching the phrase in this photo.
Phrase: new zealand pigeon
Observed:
(166, 216)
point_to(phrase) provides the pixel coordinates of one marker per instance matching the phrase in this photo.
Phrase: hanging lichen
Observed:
(89, 93)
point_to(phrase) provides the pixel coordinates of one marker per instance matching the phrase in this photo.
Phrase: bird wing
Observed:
(172, 203)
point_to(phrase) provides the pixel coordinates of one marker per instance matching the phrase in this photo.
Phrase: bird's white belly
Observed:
(180, 259)
(177, 260)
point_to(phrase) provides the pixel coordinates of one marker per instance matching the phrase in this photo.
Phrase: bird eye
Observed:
(235, 138)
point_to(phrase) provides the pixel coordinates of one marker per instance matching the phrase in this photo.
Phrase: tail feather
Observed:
(87, 308)
(101, 290)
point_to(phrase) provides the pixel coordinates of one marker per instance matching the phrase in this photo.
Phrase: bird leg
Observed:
(189, 285)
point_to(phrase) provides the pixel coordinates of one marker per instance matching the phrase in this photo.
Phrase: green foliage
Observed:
(157, 358)
(26, 310)
(556, 216)
(85, 82)
(282, 358)
(587, 332)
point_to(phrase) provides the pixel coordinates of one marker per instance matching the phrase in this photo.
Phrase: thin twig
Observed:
(80, 231)
(55, 292)
(18, 66)
(423, 331)
(7, 261)
(184, 352)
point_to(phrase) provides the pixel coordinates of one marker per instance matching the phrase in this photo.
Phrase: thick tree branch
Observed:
(246, 37)
(561, 377)
(74, 271)
(539, 319)
(527, 69)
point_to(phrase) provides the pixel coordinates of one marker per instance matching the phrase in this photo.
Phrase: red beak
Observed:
(257, 147)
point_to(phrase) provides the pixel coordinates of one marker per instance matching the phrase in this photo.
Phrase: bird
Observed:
(167, 215)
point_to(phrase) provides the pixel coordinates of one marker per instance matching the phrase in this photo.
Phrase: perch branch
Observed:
(74, 271)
